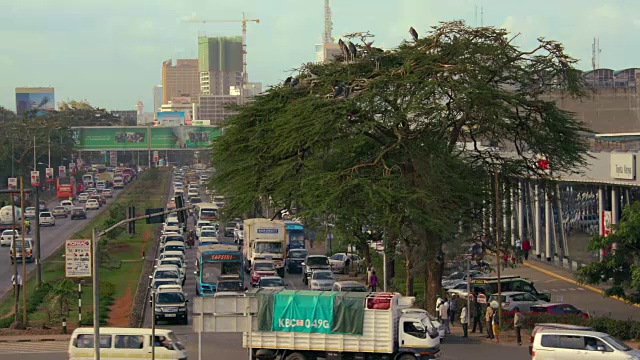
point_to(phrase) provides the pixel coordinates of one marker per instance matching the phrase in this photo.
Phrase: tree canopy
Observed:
(619, 269)
(393, 139)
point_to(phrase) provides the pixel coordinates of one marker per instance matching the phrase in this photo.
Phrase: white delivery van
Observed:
(126, 343)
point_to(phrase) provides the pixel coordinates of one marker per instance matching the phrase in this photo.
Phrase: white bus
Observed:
(207, 211)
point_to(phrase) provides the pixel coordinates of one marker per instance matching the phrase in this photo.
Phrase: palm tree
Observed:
(60, 295)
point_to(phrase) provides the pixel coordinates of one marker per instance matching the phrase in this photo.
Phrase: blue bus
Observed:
(214, 261)
(295, 235)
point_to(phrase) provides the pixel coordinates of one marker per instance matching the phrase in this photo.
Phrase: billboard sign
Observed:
(72, 168)
(41, 99)
(77, 258)
(48, 174)
(105, 138)
(171, 118)
(62, 171)
(35, 178)
(13, 183)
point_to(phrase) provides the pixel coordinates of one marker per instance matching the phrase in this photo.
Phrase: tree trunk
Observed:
(408, 260)
(366, 253)
(433, 270)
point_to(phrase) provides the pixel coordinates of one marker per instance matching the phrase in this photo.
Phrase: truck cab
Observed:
(416, 333)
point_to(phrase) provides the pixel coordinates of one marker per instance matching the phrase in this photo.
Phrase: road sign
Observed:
(78, 258)
(35, 178)
(48, 174)
(13, 183)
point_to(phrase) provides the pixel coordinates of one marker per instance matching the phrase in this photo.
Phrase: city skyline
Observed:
(122, 44)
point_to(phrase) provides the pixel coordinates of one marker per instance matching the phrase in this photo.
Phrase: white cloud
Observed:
(607, 11)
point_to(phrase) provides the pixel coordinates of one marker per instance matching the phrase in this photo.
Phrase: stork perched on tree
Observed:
(353, 51)
(414, 33)
(345, 50)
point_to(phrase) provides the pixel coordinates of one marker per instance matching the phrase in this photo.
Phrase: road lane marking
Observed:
(34, 347)
(588, 287)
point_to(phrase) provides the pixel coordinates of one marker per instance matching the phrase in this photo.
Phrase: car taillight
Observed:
(533, 354)
(505, 304)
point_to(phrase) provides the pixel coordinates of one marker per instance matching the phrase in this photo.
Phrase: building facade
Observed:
(220, 64)
(157, 98)
(181, 79)
(213, 108)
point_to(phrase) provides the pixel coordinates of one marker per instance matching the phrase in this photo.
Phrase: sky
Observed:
(110, 53)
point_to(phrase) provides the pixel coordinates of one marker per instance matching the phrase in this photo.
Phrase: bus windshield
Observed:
(212, 270)
(268, 247)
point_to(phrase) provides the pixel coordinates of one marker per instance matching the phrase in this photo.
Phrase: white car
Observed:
(92, 204)
(67, 204)
(519, 299)
(83, 197)
(7, 237)
(193, 192)
(29, 213)
(238, 233)
(322, 280)
(200, 224)
(47, 218)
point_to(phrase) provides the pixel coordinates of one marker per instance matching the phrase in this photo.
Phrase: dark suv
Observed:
(314, 262)
(294, 260)
(78, 213)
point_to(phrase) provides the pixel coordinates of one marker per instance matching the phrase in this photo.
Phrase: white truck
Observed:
(300, 325)
(6, 217)
(264, 239)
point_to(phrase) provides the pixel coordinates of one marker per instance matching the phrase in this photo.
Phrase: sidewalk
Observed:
(33, 338)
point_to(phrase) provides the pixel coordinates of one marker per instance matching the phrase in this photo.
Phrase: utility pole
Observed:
(96, 294)
(36, 237)
(16, 291)
(497, 235)
(24, 257)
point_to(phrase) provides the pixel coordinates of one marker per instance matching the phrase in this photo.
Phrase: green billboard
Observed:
(137, 137)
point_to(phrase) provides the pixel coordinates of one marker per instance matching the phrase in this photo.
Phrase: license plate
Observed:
(170, 315)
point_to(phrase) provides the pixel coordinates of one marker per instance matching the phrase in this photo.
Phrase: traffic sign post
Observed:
(78, 258)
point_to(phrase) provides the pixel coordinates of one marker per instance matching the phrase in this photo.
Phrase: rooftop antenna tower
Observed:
(481, 16)
(476, 17)
(328, 24)
(595, 53)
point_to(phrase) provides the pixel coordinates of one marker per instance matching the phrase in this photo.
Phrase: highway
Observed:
(51, 237)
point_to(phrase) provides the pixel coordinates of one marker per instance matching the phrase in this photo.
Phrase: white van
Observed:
(125, 343)
(101, 184)
(557, 344)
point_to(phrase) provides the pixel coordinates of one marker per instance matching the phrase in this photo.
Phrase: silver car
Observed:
(322, 280)
(519, 299)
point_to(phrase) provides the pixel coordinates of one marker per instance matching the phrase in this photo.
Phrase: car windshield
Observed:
(30, 209)
(78, 210)
(209, 213)
(263, 266)
(207, 234)
(174, 248)
(317, 260)
(268, 247)
(298, 254)
(174, 238)
(456, 276)
(323, 275)
(355, 288)
(173, 223)
(271, 282)
(230, 286)
(616, 344)
(18, 245)
(336, 257)
(45, 214)
(165, 274)
(196, 200)
(204, 223)
(168, 298)
(178, 263)
(157, 283)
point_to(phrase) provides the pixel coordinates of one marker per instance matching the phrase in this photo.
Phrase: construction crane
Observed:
(244, 22)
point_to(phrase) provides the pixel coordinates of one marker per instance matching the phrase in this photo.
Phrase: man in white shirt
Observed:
(444, 316)
(16, 284)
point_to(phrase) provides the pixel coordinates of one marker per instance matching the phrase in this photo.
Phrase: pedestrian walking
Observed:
(16, 285)
(488, 317)
(370, 271)
(518, 322)
(464, 321)
(476, 314)
(27, 223)
(347, 262)
(444, 315)
(495, 324)
(439, 303)
(373, 283)
(526, 247)
(453, 308)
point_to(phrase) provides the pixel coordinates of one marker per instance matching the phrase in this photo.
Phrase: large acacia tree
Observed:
(378, 137)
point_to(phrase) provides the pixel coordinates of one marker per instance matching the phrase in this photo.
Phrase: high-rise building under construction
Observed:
(219, 64)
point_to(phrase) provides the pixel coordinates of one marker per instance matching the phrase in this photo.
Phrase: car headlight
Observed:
(158, 310)
(315, 284)
(182, 308)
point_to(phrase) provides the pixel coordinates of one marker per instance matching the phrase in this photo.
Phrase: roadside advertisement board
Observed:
(171, 118)
(48, 174)
(105, 138)
(62, 171)
(13, 183)
(77, 258)
(72, 168)
(35, 178)
(39, 99)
